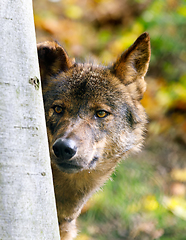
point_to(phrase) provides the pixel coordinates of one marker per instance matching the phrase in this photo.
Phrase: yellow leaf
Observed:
(179, 174)
(133, 208)
(176, 205)
(82, 237)
(74, 12)
(150, 203)
(182, 10)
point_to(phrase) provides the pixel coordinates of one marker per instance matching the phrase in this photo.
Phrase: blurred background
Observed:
(146, 198)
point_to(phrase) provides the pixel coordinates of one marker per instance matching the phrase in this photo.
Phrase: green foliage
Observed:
(133, 195)
(132, 203)
(165, 22)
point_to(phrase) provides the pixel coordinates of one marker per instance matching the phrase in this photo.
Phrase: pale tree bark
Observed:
(27, 204)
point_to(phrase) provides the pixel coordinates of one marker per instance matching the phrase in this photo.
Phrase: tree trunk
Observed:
(27, 203)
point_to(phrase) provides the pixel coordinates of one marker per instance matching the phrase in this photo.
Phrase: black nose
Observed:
(64, 149)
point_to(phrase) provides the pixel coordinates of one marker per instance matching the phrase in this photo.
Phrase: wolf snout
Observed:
(64, 149)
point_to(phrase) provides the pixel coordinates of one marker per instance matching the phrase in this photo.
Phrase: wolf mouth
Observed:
(73, 168)
(69, 168)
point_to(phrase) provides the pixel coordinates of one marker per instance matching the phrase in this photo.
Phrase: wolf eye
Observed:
(102, 114)
(58, 109)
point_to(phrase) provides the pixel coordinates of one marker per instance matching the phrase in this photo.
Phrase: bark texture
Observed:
(27, 203)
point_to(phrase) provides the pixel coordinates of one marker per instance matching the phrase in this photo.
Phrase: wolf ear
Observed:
(132, 66)
(52, 59)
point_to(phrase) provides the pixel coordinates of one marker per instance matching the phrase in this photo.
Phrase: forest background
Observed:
(146, 198)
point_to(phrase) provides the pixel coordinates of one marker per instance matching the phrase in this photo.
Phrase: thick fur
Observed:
(98, 109)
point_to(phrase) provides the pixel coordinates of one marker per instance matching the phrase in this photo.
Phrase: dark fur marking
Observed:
(95, 159)
(129, 117)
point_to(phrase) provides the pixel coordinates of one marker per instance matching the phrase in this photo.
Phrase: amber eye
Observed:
(58, 109)
(102, 114)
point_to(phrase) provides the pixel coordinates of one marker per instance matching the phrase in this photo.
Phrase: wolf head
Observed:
(93, 113)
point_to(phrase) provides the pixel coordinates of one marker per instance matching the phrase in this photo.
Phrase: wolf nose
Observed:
(64, 149)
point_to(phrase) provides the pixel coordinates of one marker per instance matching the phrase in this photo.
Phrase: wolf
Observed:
(94, 119)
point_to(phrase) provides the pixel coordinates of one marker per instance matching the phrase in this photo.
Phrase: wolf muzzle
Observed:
(64, 149)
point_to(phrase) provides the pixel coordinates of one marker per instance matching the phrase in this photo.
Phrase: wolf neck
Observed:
(73, 190)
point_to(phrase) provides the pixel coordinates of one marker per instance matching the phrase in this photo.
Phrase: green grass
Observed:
(129, 207)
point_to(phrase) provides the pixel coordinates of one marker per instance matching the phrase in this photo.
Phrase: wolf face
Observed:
(93, 113)
(94, 118)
